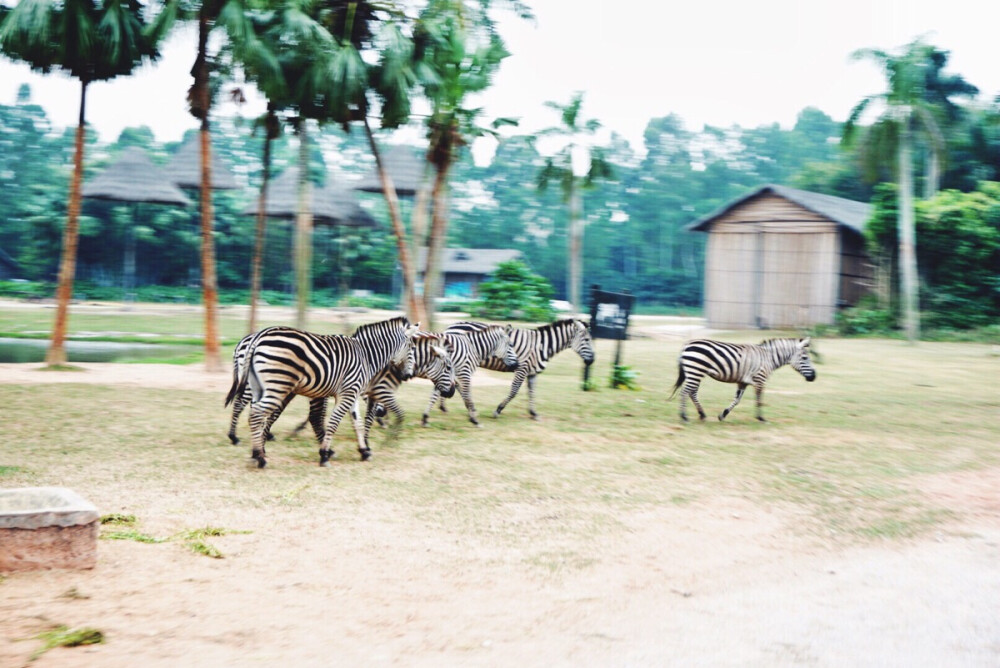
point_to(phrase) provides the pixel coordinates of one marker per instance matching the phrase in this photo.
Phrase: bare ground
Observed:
(717, 582)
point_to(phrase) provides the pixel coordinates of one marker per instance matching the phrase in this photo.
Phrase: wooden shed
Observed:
(779, 257)
(463, 269)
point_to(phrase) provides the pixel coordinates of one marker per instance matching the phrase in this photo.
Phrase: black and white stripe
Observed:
(471, 349)
(743, 364)
(534, 348)
(282, 362)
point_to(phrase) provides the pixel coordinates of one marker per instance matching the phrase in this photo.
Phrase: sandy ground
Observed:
(722, 583)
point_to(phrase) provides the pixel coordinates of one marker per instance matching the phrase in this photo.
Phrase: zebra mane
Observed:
(558, 324)
(399, 321)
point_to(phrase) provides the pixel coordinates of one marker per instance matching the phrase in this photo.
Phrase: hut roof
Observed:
(845, 212)
(482, 261)
(184, 168)
(331, 204)
(134, 178)
(405, 169)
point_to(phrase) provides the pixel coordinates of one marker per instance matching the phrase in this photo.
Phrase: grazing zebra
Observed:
(743, 364)
(534, 348)
(282, 361)
(472, 348)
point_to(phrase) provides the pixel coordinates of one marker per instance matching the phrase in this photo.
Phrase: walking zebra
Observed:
(743, 364)
(534, 348)
(432, 359)
(471, 349)
(282, 361)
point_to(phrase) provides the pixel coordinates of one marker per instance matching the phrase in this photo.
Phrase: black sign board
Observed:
(609, 314)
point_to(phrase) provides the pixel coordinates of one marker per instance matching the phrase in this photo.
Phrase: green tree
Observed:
(559, 169)
(891, 137)
(513, 291)
(91, 41)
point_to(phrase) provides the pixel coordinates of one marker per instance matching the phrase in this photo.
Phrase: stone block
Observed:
(46, 527)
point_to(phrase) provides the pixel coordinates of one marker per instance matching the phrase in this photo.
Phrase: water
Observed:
(33, 350)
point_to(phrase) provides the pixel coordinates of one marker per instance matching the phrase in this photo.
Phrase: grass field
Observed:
(847, 451)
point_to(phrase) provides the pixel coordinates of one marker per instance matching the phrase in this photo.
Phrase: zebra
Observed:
(283, 361)
(534, 348)
(743, 364)
(471, 349)
(433, 359)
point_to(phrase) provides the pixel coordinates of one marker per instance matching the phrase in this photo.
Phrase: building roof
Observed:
(133, 177)
(331, 204)
(184, 167)
(405, 169)
(482, 261)
(845, 212)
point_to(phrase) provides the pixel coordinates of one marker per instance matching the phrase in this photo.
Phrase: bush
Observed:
(865, 319)
(514, 292)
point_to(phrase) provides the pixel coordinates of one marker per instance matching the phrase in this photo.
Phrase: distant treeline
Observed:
(635, 235)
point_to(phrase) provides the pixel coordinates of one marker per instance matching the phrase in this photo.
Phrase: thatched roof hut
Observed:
(331, 204)
(133, 177)
(184, 168)
(405, 169)
(779, 257)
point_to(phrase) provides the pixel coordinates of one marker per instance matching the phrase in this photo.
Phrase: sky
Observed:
(715, 62)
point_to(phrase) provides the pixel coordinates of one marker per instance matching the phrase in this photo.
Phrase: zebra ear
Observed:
(804, 343)
(439, 351)
(509, 328)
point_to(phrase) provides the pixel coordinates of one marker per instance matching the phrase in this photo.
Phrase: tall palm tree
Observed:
(92, 41)
(559, 169)
(939, 88)
(234, 17)
(906, 113)
(457, 53)
(272, 130)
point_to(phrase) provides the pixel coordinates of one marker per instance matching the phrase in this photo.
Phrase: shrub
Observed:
(514, 292)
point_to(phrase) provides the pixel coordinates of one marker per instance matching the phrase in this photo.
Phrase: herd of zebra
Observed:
(273, 365)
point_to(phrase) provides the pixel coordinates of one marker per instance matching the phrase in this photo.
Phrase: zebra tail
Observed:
(240, 382)
(680, 380)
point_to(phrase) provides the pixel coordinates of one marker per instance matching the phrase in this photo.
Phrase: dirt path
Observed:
(718, 582)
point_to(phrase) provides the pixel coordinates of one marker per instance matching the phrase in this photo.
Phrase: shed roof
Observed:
(184, 167)
(845, 212)
(331, 204)
(403, 166)
(482, 261)
(133, 177)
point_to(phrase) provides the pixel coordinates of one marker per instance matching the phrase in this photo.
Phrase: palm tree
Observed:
(907, 113)
(92, 42)
(234, 17)
(457, 53)
(559, 168)
(939, 88)
(272, 130)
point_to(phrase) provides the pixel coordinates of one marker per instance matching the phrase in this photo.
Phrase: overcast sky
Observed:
(717, 62)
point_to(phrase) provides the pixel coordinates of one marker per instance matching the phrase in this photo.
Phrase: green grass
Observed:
(849, 452)
(63, 636)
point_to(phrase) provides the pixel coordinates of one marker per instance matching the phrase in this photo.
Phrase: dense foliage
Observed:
(514, 292)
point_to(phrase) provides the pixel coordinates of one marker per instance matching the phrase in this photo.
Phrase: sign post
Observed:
(609, 316)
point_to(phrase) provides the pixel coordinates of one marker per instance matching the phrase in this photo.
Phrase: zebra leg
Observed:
(360, 430)
(344, 403)
(317, 415)
(466, 391)
(690, 389)
(262, 414)
(531, 397)
(239, 403)
(740, 389)
(759, 389)
(427, 413)
(519, 377)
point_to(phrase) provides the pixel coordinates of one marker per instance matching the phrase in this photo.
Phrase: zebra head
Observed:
(442, 372)
(801, 361)
(504, 350)
(403, 358)
(581, 343)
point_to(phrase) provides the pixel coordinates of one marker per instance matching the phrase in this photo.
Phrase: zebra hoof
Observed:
(423, 420)
(269, 437)
(261, 462)
(684, 418)
(233, 439)
(444, 409)
(366, 454)
(762, 419)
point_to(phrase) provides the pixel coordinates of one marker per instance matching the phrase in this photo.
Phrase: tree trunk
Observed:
(303, 233)
(436, 242)
(414, 308)
(209, 284)
(907, 240)
(932, 178)
(201, 99)
(258, 245)
(67, 264)
(575, 247)
(419, 230)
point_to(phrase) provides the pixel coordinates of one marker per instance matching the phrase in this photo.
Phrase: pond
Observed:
(33, 350)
